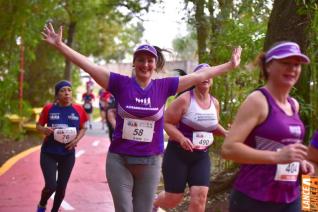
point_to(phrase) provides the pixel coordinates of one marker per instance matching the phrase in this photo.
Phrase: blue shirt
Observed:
(56, 116)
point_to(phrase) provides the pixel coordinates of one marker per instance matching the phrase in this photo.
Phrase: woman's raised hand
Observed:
(236, 57)
(50, 36)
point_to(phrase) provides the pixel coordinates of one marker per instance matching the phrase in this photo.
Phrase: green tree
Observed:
(99, 28)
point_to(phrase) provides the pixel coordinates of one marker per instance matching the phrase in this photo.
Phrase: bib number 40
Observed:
(292, 168)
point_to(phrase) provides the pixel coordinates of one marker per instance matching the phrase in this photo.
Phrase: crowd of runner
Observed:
(266, 136)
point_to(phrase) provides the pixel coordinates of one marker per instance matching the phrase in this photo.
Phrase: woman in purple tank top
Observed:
(134, 158)
(266, 138)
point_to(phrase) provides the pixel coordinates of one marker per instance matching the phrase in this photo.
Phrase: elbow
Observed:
(38, 126)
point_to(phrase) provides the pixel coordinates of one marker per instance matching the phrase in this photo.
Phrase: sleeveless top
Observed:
(198, 119)
(278, 130)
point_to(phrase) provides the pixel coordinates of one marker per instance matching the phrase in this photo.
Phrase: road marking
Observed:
(79, 153)
(65, 205)
(9, 163)
(95, 143)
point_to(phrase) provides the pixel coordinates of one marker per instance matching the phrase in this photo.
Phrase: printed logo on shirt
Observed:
(59, 126)
(73, 117)
(143, 101)
(205, 117)
(54, 116)
(295, 130)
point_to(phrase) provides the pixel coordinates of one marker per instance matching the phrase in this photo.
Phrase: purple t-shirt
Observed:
(137, 103)
(314, 140)
(278, 130)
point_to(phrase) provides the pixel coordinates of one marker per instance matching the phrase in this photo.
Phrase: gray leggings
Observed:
(133, 187)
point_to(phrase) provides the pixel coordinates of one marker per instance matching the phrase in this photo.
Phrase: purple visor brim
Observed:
(147, 48)
(285, 50)
(200, 66)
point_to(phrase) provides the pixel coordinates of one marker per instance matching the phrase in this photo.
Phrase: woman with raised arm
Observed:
(134, 158)
(266, 138)
(191, 121)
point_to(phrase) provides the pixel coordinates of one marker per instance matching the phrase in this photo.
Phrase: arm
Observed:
(207, 73)
(252, 112)
(45, 130)
(99, 73)
(111, 117)
(220, 130)
(173, 115)
(40, 124)
(313, 157)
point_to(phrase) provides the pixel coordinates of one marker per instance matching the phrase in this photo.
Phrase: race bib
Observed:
(65, 135)
(287, 172)
(202, 140)
(138, 130)
(87, 106)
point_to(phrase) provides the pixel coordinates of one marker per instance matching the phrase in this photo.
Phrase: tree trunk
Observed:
(288, 22)
(201, 27)
(69, 42)
(291, 20)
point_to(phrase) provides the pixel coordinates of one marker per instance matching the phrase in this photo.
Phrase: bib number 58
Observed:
(138, 132)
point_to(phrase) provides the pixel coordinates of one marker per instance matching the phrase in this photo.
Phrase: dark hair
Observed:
(260, 62)
(182, 72)
(161, 59)
(61, 84)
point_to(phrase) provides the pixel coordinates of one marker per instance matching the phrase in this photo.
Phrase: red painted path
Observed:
(21, 183)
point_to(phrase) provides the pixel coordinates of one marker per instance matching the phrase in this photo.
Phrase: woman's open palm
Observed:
(236, 57)
(50, 36)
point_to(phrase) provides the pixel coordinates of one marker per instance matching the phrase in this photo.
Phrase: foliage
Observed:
(312, 107)
(231, 24)
(185, 46)
(99, 28)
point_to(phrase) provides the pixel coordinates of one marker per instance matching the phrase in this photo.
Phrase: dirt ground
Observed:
(9, 148)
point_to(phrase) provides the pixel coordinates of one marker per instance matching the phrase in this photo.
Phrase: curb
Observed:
(11, 161)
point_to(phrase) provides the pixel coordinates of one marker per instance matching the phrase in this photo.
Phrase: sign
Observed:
(309, 193)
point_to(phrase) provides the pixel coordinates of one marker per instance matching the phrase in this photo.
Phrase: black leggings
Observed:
(181, 167)
(50, 164)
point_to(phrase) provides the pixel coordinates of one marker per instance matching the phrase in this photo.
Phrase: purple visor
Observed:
(200, 66)
(284, 50)
(146, 48)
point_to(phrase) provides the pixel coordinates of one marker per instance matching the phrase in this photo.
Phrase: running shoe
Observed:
(40, 209)
(155, 209)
